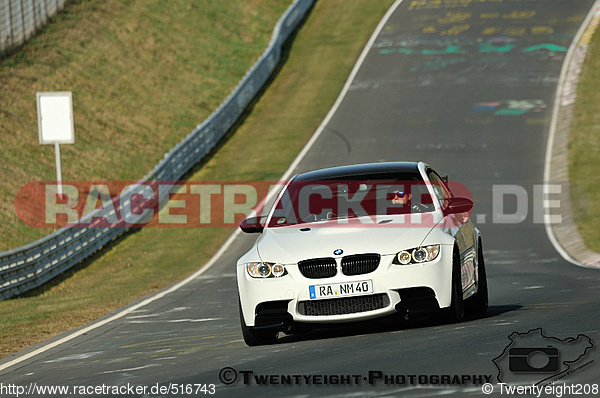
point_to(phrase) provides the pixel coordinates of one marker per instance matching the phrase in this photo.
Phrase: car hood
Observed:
(288, 245)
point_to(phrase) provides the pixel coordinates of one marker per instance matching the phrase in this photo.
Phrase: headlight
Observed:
(277, 270)
(403, 257)
(417, 255)
(265, 270)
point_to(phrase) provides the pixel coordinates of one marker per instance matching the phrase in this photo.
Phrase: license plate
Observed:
(340, 289)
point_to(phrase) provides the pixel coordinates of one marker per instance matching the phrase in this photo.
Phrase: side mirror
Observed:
(252, 225)
(457, 205)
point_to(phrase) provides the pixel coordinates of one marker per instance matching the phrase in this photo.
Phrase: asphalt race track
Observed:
(465, 85)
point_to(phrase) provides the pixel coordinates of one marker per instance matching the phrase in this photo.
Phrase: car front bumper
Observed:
(275, 302)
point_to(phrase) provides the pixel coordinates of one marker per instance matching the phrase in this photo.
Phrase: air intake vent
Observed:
(343, 306)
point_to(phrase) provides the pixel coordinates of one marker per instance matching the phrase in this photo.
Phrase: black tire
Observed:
(456, 311)
(478, 303)
(253, 337)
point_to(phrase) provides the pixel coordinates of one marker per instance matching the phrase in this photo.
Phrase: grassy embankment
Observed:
(143, 75)
(584, 149)
(282, 120)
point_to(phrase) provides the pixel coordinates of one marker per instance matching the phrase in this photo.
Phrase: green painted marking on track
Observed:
(546, 46)
(510, 112)
(488, 48)
(483, 48)
(449, 50)
(396, 50)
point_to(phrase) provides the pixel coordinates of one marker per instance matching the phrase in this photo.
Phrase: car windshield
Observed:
(350, 197)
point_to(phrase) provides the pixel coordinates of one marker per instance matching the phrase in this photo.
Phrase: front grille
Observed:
(318, 268)
(343, 306)
(360, 264)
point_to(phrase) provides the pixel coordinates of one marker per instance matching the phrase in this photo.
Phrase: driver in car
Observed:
(401, 204)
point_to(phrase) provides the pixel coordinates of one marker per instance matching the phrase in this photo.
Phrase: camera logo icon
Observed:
(532, 355)
(533, 360)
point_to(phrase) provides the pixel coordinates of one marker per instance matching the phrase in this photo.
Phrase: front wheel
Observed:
(478, 303)
(253, 337)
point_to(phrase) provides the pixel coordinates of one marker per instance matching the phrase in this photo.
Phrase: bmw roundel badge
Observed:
(337, 252)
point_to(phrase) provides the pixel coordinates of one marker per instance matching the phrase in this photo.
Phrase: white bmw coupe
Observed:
(359, 242)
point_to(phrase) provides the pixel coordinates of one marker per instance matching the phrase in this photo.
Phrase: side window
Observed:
(439, 187)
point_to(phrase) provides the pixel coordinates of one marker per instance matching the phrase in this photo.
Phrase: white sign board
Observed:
(55, 117)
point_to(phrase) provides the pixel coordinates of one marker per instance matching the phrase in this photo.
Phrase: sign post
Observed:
(55, 124)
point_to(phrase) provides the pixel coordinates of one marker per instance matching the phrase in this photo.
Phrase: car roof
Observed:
(382, 170)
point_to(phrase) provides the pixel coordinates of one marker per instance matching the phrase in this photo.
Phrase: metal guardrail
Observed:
(20, 19)
(31, 266)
